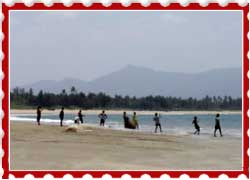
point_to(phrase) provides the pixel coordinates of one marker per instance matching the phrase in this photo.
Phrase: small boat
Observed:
(129, 125)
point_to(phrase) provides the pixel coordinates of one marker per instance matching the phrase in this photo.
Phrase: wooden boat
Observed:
(128, 124)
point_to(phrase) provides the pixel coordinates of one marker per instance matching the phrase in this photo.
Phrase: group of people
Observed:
(131, 124)
(79, 119)
(216, 127)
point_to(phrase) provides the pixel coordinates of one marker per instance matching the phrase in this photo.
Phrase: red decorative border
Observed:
(118, 6)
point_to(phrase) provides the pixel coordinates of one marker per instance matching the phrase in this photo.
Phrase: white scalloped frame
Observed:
(9, 5)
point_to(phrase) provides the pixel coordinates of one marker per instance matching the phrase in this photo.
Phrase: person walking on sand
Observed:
(135, 121)
(61, 116)
(196, 126)
(39, 114)
(80, 116)
(217, 125)
(156, 119)
(103, 118)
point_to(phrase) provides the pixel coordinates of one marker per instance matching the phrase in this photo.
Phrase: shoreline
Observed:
(92, 148)
(118, 112)
(166, 132)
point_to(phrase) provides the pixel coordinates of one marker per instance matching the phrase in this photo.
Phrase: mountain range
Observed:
(140, 81)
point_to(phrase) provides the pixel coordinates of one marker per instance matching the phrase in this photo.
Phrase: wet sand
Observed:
(49, 147)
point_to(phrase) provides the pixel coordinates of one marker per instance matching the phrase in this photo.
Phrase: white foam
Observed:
(118, 125)
(51, 121)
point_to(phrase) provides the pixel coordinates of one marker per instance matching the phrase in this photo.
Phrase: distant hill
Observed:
(56, 86)
(139, 81)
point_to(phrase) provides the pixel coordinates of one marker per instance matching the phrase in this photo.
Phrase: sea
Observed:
(176, 124)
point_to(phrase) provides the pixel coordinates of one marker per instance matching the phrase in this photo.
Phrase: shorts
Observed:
(102, 121)
(217, 127)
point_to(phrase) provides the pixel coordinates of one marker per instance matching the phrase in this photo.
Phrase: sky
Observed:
(53, 45)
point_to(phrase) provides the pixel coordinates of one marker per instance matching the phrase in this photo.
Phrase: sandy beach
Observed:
(91, 148)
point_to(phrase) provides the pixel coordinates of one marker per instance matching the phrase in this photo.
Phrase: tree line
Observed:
(20, 98)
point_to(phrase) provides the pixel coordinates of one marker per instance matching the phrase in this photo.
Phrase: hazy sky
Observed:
(85, 45)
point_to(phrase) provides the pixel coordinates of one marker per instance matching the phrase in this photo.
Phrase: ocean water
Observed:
(171, 124)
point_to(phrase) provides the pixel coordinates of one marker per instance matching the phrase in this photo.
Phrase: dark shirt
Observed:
(103, 116)
(61, 115)
(217, 123)
(126, 121)
(125, 118)
(195, 122)
(80, 115)
(38, 113)
(156, 120)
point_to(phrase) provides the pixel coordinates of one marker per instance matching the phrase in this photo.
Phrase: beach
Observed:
(174, 102)
(50, 147)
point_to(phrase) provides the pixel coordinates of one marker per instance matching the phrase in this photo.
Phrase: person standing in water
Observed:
(196, 126)
(135, 120)
(126, 120)
(217, 125)
(80, 116)
(103, 118)
(39, 114)
(61, 116)
(156, 119)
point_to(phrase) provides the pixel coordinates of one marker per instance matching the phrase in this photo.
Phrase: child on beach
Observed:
(103, 118)
(39, 114)
(156, 119)
(217, 125)
(196, 126)
(135, 120)
(61, 116)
